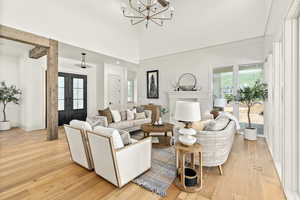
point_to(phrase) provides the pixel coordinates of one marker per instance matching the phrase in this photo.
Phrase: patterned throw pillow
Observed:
(148, 113)
(139, 109)
(219, 125)
(106, 112)
(140, 115)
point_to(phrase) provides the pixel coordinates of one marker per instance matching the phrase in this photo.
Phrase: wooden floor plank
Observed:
(33, 168)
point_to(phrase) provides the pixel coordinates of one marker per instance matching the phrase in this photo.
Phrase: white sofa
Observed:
(118, 165)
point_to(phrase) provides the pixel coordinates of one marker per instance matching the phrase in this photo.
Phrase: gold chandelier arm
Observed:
(161, 11)
(137, 22)
(163, 18)
(135, 9)
(133, 17)
(156, 22)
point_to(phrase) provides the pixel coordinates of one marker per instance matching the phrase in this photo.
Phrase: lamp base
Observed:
(187, 131)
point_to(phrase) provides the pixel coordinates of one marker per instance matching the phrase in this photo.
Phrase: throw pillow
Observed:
(97, 121)
(116, 115)
(140, 115)
(198, 126)
(106, 112)
(125, 137)
(130, 114)
(123, 115)
(111, 132)
(139, 109)
(221, 124)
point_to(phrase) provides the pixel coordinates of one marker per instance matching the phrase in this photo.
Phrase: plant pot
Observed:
(250, 133)
(4, 126)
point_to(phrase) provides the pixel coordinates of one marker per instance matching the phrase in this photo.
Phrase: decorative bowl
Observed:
(187, 140)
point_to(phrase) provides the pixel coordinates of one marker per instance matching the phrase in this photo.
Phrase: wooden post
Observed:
(52, 90)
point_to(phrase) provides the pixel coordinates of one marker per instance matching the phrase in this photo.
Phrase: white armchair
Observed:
(115, 162)
(78, 144)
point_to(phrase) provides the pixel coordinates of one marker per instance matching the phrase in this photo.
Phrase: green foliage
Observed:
(164, 110)
(251, 95)
(9, 94)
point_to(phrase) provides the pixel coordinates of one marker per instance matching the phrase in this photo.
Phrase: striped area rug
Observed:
(162, 173)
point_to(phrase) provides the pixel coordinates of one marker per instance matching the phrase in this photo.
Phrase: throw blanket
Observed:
(233, 118)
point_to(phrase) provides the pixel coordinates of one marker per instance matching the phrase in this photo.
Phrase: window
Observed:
(61, 93)
(78, 98)
(130, 87)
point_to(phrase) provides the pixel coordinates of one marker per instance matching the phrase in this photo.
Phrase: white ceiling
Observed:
(98, 25)
(203, 23)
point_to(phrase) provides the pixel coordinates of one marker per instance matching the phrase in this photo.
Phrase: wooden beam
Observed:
(22, 36)
(52, 90)
(38, 52)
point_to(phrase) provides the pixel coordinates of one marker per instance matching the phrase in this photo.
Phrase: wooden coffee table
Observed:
(164, 140)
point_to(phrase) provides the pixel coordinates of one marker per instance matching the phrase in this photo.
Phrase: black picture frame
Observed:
(153, 84)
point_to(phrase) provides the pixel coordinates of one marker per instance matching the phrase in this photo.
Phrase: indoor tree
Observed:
(250, 95)
(8, 94)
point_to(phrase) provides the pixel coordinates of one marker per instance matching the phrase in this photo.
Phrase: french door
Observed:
(72, 97)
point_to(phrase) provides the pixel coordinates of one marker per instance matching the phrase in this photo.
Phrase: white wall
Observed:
(200, 63)
(9, 72)
(91, 25)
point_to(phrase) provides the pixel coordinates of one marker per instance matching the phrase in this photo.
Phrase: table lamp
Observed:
(187, 112)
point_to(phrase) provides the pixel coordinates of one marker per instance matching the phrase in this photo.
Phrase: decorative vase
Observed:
(4, 126)
(250, 134)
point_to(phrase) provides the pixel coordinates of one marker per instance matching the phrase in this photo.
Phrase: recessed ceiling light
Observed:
(118, 62)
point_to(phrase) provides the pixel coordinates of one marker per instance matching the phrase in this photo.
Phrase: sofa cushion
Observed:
(122, 124)
(116, 115)
(139, 122)
(140, 115)
(111, 132)
(81, 125)
(107, 113)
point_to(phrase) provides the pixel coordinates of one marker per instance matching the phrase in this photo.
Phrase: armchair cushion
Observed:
(111, 132)
(81, 125)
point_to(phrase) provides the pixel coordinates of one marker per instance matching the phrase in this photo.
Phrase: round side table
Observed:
(182, 152)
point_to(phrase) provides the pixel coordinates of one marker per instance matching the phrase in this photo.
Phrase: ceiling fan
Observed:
(83, 64)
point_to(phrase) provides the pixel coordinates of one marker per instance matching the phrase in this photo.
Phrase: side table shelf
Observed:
(181, 152)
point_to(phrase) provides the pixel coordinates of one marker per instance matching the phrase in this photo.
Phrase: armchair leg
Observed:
(220, 170)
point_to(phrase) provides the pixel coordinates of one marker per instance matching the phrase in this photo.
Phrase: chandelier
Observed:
(156, 11)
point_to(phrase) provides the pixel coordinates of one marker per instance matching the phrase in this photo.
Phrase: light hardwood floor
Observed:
(33, 168)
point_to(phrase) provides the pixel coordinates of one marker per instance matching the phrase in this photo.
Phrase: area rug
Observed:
(162, 173)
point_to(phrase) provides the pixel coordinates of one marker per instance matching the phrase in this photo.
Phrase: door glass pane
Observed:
(80, 94)
(223, 88)
(75, 82)
(75, 94)
(80, 104)
(80, 83)
(248, 75)
(75, 104)
(61, 93)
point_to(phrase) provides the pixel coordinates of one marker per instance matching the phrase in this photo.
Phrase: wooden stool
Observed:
(181, 152)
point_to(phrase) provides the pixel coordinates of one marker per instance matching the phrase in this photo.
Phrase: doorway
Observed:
(72, 97)
(114, 91)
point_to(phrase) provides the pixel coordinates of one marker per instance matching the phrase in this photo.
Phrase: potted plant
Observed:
(8, 94)
(250, 96)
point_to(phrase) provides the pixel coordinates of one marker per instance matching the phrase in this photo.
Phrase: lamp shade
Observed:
(220, 103)
(187, 111)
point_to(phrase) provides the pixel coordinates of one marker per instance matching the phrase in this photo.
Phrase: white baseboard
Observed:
(292, 195)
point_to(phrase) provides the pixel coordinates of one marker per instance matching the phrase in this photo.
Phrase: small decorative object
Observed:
(187, 82)
(250, 96)
(187, 112)
(8, 94)
(152, 84)
(190, 177)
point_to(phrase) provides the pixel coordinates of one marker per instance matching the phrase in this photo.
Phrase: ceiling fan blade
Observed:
(163, 3)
